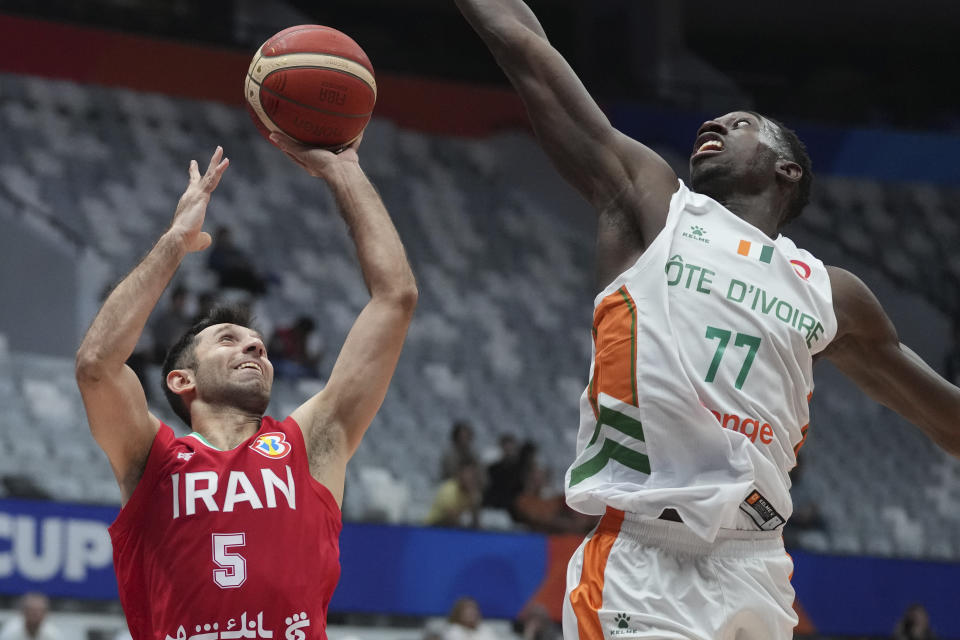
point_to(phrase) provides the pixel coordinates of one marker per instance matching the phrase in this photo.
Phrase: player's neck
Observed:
(223, 428)
(762, 210)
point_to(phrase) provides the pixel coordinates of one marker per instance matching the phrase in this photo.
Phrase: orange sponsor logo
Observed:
(750, 427)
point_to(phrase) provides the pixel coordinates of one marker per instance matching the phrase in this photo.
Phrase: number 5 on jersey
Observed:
(233, 567)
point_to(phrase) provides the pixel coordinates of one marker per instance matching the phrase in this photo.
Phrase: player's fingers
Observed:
(194, 171)
(287, 143)
(296, 159)
(356, 142)
(215, 173)
(216, 157)
(215, 160)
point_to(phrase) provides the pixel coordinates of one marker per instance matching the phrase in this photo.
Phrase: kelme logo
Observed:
(272, 445)
(622, 621)
(696, 233)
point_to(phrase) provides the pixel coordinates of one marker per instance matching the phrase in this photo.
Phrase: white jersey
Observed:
(702, 373)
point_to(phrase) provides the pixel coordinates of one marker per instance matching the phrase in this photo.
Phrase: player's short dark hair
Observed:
(182, 354)
(795, 150)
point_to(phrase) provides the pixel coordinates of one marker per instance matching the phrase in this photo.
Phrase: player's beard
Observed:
(722, 177)
(217, 387)
(715, 178)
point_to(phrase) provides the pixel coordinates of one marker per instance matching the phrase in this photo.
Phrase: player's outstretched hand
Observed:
(317, 161)
(192, 208)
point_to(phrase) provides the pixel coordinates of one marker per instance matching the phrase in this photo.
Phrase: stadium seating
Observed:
(500, 336)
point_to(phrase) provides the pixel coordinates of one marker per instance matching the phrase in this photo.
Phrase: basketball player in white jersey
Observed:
(705, 331)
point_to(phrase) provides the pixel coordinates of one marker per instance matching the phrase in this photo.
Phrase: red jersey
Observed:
(216, 545)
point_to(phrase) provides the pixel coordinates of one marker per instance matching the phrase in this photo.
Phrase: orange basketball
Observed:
(313, 83)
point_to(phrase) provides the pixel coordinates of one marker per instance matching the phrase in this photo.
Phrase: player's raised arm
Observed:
(607, 167)
(335, 420)
(868, 350)
(112, 395)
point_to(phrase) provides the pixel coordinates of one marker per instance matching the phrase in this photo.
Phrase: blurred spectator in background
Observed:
(205, 302)
(914, 625)
(296, 350)
(951, 364)
(504, 481)
(536, 508)
(540, 509)
(233, 267)
(460, 452)
(169, 323)
(18, 485)
(545, 511)
(466, 623)
(31, 624)
(457, 502)
(534, 623)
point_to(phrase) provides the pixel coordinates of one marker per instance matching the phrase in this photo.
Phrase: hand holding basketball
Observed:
(192, 208)
(317, 161)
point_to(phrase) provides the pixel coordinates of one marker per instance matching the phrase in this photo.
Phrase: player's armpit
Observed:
(335, 420)
(120, 421)
(869, 352)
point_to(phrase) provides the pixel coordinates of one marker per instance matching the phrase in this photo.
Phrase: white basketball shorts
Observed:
(643, 578)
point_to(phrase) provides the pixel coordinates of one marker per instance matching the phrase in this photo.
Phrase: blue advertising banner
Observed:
(59, 549)
(420, 571)
(64, 550)
(857, 595)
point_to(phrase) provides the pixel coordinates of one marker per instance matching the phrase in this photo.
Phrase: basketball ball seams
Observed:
(253, 99)
(281, 37)
(289, 31)
(266, 65)
(284, 36)
(329, 54)
(345, 72)
(311, 108)
(274, 92)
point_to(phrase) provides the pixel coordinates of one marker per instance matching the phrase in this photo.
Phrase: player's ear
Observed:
(789, 170)
(181, 381)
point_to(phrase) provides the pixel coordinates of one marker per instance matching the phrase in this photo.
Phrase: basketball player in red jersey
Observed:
(685, 450)
(232, 531)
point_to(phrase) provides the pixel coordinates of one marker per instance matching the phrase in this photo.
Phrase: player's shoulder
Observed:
(857, 309)
(848, 289)
(164, 437)
(286, 425)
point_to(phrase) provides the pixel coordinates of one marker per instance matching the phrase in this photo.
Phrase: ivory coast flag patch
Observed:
(755, 250)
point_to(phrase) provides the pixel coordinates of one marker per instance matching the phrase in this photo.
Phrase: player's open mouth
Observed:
(708, 143)
(251, 365)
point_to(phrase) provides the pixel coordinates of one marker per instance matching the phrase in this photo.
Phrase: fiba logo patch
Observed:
(272, 445)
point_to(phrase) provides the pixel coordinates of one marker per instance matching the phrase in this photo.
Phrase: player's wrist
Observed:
(342, 172)
(175, 240)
